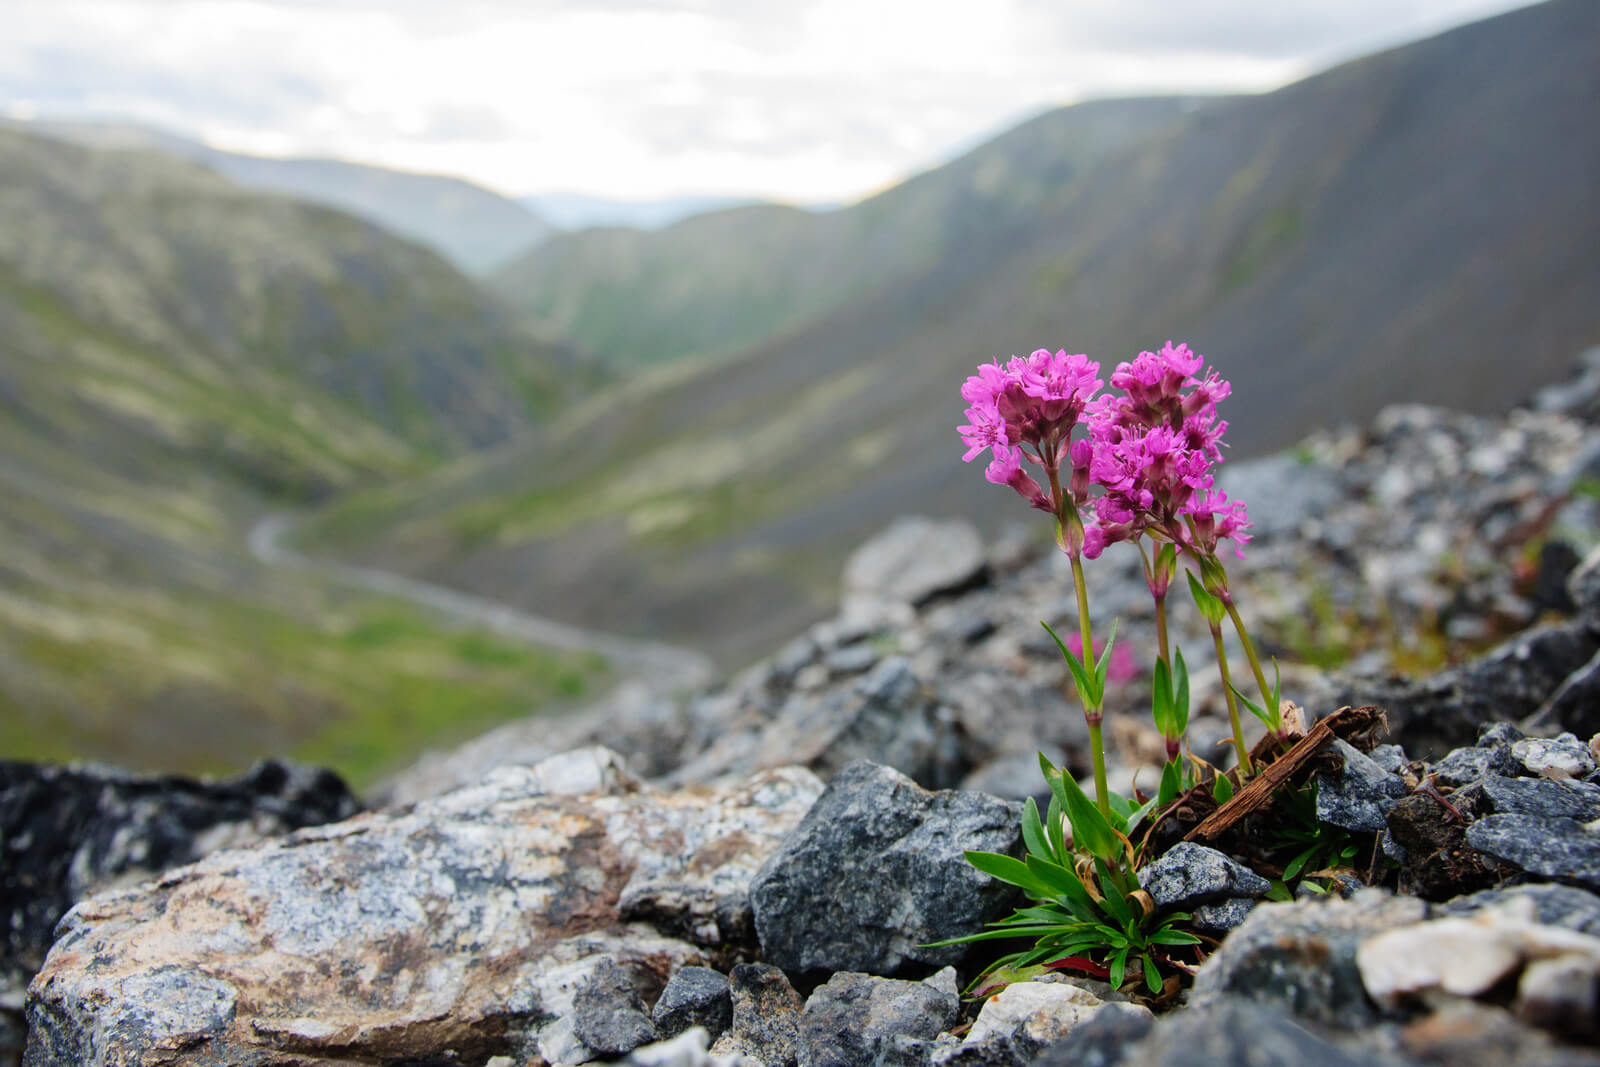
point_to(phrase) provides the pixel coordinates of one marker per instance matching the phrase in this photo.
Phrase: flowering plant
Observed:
(1136, 466)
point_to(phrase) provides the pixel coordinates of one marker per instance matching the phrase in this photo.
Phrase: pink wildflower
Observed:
(1213, 518)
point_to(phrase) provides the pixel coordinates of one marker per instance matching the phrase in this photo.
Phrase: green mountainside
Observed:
(177, 357)
(1423, 225)
(726, 280)
(476, 229)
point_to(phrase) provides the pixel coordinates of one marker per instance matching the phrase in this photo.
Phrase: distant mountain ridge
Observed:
(1422, 224)
(723, 281)
(475, 228)
(579, 211)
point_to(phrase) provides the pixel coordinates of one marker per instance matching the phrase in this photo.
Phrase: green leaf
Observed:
(1255, 709)
(1138, 815)
(1067, 884)
(1161, 709)
(1052, 827)
(1119, 966)
(1171, 783)
(1296, 865)
(1104, 662)
(1221, 789)
(1011, 871)
(1173, 937)
(1152, 979)
(1113, 901)
(1180, 693)
(1083, 676)
(1211, 608)
(1033, 834)
(1090, 830)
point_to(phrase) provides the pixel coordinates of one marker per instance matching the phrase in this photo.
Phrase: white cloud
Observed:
(809, 99)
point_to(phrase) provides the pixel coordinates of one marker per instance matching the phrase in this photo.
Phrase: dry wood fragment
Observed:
(1346, 724)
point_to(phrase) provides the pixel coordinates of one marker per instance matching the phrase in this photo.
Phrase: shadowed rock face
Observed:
(468, 924)
(68, 831)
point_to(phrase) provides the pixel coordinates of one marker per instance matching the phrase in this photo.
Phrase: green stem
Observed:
(1161, 628)
(1091, 715)
(1233, 704)
(1255, 661)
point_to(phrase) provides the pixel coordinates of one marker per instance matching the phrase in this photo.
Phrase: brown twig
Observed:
(1257, 796)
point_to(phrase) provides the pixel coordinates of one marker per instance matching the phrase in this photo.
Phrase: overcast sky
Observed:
(807, 100)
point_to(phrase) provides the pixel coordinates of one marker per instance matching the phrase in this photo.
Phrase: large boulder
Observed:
(487, 922)
(915, 559)
(875, 871)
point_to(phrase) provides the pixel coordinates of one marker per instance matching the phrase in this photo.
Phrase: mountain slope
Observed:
(478, 230)
(1420, 225)
(729, 279)
(176, 357)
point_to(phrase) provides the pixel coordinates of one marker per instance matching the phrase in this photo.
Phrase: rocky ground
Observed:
(754, 871)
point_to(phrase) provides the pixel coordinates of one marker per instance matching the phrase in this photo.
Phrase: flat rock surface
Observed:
(470, 923)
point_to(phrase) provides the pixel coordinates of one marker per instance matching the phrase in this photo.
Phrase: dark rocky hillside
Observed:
(178, 355)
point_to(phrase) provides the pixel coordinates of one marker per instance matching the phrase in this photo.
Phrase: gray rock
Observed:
(852, 659)
(1583, 585)
(1561, 757)
(1543, 797)
(1238, 1032)
(1302, 956)
(1189, 873)
(1223, 915)
(1028, 1017)
(1444, 711)
(1561, 995)
(1498, 733)
(1554, 905)
(1391, 758)
(474, 920)
(694, 996)
(887, 715)
(766, 1016)
(916, 559)
(1473, 1033)
(1360, 795)
(1464, 766)
(1560, 849)
(608, 1014)
(875, 871)
(1103, 1041)
(1575, 705)
(850, 1018)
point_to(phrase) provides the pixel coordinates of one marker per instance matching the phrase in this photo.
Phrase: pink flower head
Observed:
(1154, 380)
(1213, 518)
(1006, 469)
(1027, 409)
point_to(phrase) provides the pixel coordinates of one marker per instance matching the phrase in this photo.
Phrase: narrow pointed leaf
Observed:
(1180, 693)
(1011, 871)
(1090, 830)
(1033, 834)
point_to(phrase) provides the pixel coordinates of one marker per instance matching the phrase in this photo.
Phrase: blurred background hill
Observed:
(675, 425)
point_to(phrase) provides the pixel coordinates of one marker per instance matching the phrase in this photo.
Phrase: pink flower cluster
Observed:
(1152, 449)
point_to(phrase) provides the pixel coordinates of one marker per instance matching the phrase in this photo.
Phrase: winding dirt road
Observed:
(660, 667)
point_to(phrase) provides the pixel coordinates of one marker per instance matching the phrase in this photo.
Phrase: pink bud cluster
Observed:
(1152, 449)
